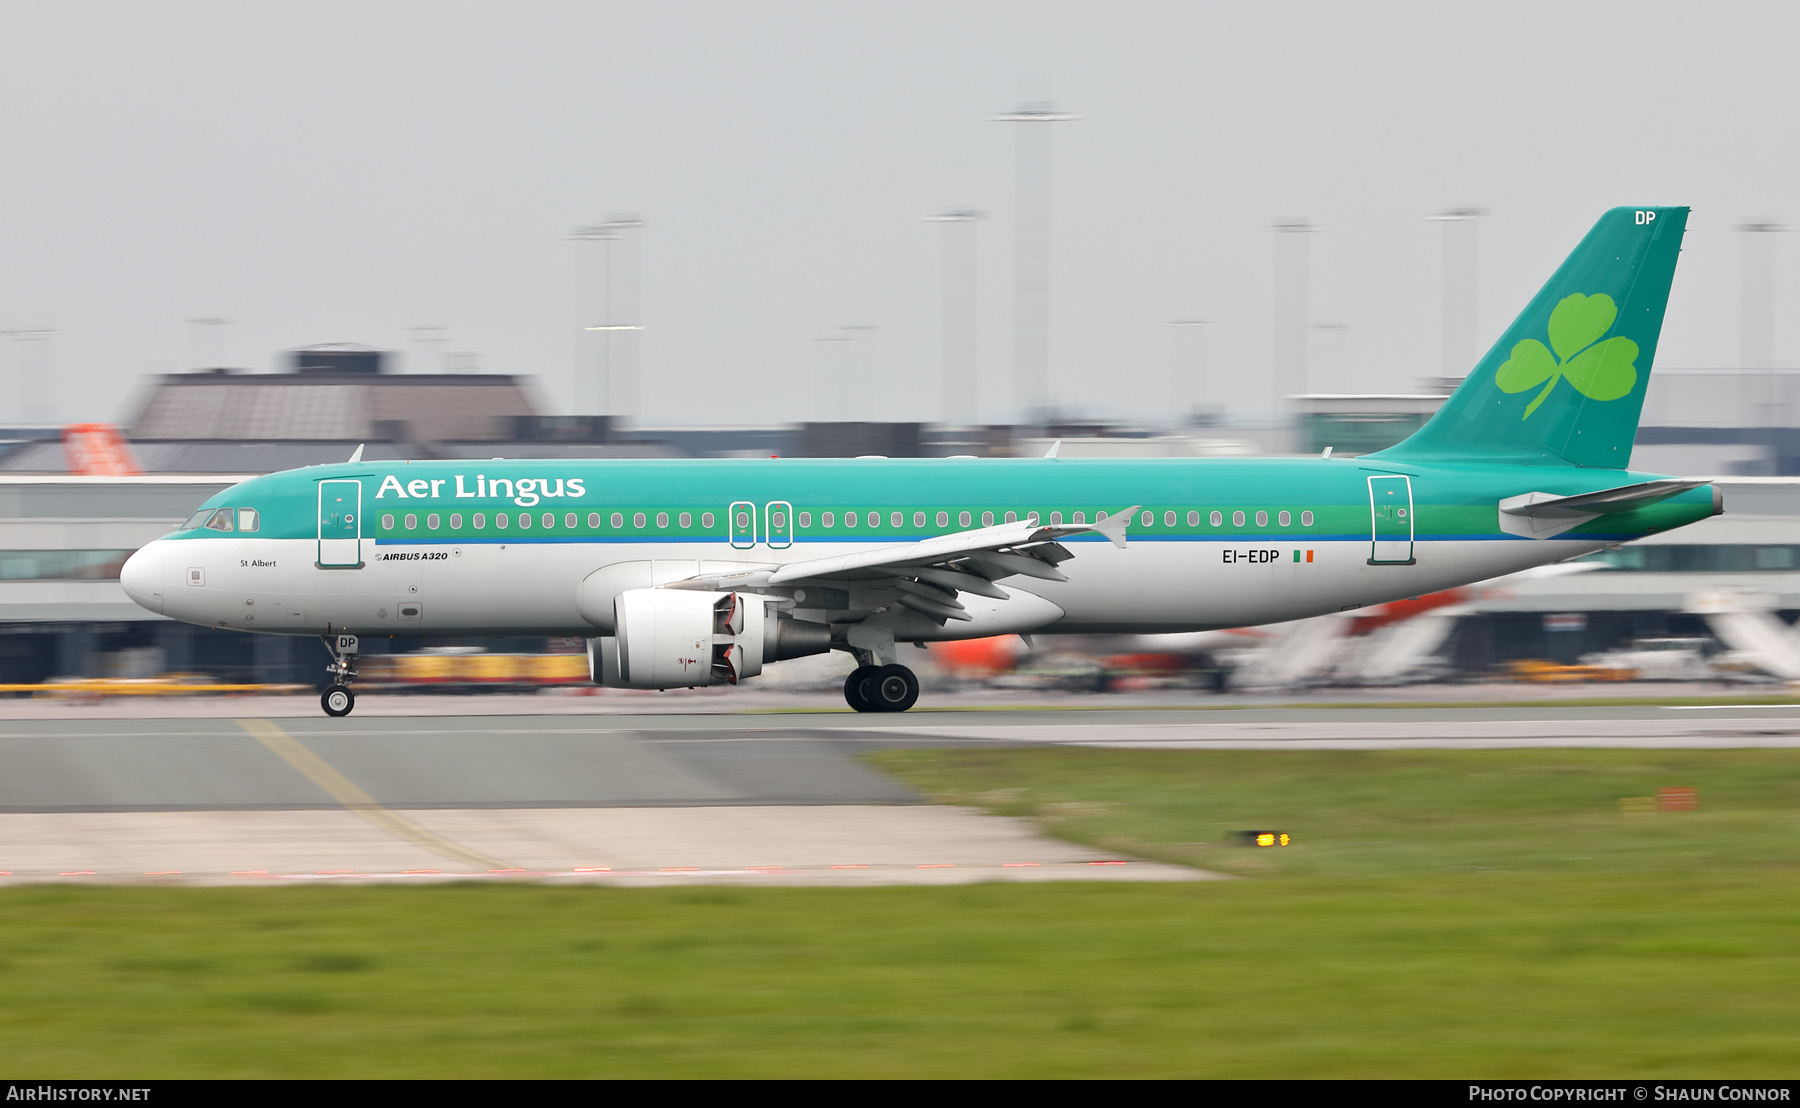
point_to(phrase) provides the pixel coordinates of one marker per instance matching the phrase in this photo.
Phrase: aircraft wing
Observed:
(928, 574)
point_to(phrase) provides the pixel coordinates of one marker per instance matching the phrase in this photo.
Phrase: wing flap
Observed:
(945, 548)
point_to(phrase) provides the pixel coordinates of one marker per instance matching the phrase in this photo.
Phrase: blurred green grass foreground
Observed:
(1441, 913)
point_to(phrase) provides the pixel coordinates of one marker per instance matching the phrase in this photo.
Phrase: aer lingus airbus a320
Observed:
(688, 573)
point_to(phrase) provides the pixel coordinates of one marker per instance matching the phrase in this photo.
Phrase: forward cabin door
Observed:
(1391, 524)
(340, 524)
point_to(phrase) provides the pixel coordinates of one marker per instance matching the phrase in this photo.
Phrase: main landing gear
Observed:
(338, 700)
(881, 688)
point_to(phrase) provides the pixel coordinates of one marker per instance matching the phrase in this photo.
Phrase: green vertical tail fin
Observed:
(1565, 383)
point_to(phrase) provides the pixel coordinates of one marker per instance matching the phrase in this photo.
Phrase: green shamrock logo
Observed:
(1596, 370)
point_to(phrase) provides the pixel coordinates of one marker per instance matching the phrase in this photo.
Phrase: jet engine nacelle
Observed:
(680, 639)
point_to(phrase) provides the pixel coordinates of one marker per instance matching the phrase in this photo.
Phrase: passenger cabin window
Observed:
(987, 519)
(618, 519)
(943, 519)
(247, 519)
(1284, 519)
(1055, 518)
(964, 519)
(479, 519)
(687, 519)
(1012, 517)
(1193, 519)
(827, 519)
(897, 519)
(1237, 519)
(455, 521)
(221, 521)
(387, 523)
(431, 521)
(1080, 517)
(499, 519)
(1306, 519)
(637, 519)
(849, 519)
(662, 519)
(569, 521)
(1168, 519)
(594, 521)
(706, 519)
(1262, 519)
(1217, 519)
(412, 521)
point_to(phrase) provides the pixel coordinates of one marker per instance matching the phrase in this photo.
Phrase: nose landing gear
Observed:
(891, 688)
(338, 700)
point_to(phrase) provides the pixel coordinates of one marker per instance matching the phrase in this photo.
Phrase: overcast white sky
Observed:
(324, 171)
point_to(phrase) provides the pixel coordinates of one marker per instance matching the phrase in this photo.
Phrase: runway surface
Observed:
(240, 796)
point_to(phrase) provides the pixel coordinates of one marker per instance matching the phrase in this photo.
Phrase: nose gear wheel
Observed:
(338, 700)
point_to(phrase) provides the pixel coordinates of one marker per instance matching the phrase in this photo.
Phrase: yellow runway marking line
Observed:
(351, 796)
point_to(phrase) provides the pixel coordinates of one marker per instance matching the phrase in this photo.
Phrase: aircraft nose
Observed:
(142, 577)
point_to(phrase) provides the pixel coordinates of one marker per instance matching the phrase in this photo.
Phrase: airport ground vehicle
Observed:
(700, 572)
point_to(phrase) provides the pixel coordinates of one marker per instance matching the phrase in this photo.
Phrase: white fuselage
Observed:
(497, 589)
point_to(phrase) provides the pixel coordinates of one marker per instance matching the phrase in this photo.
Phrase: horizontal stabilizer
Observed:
(1540, 515)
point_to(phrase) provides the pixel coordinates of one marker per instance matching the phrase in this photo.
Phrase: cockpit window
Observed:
(221, 521)
(196, 519)
(247, 520)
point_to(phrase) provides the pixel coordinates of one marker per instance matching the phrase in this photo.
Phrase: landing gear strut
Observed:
(891, 688)
(338, 700)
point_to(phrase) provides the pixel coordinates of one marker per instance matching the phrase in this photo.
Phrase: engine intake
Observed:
(678, 639)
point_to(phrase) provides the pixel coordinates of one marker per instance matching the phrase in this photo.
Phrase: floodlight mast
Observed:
(616, 376)
(1031, 252)
(1460, 282)
(33, 382)
(961, 331)
(1760, 405)
(1291, 330)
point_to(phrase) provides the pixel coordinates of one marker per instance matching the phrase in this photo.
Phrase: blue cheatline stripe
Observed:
(497, 540)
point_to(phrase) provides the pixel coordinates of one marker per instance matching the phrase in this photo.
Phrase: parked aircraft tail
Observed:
(1565, 383)
(98, 450)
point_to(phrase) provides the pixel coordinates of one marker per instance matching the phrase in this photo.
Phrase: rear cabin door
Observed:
(340, 524)
(1391, 524)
